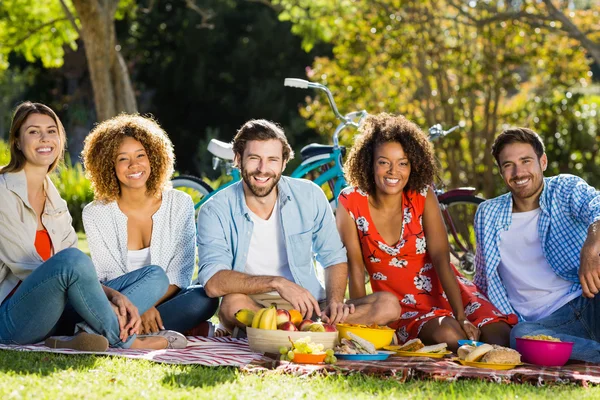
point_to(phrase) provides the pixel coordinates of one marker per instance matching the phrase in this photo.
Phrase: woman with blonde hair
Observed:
(137, 219)
(44, 279)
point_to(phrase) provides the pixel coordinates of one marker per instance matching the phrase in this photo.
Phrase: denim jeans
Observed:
(143, 287)
(32, 312)
(577, 321)
(187, 309)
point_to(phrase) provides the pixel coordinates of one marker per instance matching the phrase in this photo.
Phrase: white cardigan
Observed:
(172, 244)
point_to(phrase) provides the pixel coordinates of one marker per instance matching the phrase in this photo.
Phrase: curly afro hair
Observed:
(385, 128)
(100, 152)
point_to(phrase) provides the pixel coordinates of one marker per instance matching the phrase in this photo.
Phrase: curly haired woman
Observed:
(45, 281)
(391, 224)
(137, 219)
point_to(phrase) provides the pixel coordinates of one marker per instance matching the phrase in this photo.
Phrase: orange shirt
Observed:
(43, 245)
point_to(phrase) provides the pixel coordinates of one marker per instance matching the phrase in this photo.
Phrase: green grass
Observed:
(50, 376)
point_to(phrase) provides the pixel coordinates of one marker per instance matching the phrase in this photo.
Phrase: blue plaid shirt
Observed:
(568, 207)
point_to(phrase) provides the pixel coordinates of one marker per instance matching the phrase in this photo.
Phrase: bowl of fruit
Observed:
(305, 351)
(270, 328)
(380, 336)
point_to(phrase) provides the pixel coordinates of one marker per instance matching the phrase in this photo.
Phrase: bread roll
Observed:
(464, 350)
(479, 352)
(502, 355)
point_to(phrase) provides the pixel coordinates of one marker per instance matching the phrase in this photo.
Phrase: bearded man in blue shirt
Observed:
(256, 241)
(538, 247)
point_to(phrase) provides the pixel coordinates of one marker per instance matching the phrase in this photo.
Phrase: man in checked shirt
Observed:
(538, 247)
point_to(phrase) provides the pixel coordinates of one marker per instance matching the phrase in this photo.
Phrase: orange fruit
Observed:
(295, 317)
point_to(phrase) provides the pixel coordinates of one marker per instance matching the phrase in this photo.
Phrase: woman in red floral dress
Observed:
(391, 224)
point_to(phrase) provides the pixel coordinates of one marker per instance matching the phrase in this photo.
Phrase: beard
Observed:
(259, 191)
(527, 192)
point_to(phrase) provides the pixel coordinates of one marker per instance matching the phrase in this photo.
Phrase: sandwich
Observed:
(411, 345)
(355, 345)
(434, 348)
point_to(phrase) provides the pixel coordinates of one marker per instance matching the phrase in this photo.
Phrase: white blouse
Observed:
(172, 244)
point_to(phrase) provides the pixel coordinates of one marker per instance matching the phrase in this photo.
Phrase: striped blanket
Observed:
(226, 351)
(214, 352)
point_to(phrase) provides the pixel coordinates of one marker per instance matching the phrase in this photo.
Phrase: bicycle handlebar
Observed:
(346, 120)
(435, 132)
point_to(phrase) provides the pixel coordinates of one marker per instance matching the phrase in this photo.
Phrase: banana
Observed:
(245, 316)
(269, 319)
(257, 316)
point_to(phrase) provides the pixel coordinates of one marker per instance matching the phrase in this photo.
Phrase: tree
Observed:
(420, 58)
(40, 30)
(581, 22)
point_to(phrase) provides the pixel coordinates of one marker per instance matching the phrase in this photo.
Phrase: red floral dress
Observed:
(405, 269)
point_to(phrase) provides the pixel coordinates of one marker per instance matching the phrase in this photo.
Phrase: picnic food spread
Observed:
(542, 337)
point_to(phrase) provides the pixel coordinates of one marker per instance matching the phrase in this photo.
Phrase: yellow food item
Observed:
(542, 337)
(295, 317)
(245, 316)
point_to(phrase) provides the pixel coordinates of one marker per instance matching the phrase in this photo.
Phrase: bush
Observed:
(4, 153)
(75, 189)
(70, 182)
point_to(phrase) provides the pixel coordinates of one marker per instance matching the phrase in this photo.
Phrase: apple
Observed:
(305, 325)
(316, 327)
(283, 316)
(329, 328)
(287, 326)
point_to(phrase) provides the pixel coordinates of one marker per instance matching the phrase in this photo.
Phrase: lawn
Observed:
(49, 376)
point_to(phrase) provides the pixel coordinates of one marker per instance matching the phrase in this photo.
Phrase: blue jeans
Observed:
(143, 287)
(31, 313)
(187, 309)
(577, 321)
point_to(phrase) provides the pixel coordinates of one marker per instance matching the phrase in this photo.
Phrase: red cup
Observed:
(544, 352)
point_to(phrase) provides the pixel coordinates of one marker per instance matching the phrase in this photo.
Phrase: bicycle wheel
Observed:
(193, 186)
(459, 216)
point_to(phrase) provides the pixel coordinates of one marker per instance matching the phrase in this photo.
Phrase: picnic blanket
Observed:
(406, 368)
(227, 351)
(214, 352)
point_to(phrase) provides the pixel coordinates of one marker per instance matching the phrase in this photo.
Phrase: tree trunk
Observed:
(113, 91)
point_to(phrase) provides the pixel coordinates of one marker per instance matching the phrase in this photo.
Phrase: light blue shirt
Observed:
(225, 229)
(568, 207)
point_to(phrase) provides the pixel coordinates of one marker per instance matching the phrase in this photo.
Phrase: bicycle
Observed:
(458, 208)
(323, 164)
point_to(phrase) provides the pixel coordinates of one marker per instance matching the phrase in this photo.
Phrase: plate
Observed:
(487, 365)
(381, 355)
(440, 354)
(475, 343)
